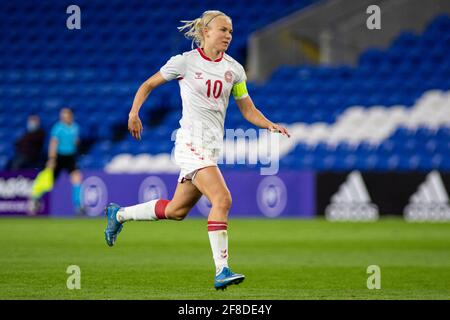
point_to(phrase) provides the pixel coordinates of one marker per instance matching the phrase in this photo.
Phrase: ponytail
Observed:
(195, 27)
(194, 31)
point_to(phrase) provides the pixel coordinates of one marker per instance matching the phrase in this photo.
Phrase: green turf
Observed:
(282, 259)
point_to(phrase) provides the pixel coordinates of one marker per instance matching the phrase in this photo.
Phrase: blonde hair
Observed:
(195, 27)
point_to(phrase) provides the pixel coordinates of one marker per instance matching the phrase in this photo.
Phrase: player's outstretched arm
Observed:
(134, 123)
(254, 116)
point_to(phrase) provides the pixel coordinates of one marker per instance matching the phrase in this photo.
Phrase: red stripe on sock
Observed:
(160, 208)
(217, 225)
(211, 228)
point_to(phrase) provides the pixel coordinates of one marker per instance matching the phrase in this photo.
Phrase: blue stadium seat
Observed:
(97, 74)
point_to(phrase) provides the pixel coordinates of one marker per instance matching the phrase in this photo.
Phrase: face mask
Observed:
(32, 126)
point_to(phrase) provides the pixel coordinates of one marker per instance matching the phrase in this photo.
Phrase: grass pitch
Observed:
(282, 259)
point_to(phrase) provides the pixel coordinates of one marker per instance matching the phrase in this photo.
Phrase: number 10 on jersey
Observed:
(217, 89)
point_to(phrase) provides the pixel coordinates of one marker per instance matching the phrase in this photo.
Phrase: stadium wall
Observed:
(288, 194)
(418, 196)
(334, 32)
(339, 196)
(15, 190)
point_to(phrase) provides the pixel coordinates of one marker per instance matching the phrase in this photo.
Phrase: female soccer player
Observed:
(207, 76)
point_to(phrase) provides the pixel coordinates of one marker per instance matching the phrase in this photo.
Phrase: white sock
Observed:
(218, 238)
(139, 212)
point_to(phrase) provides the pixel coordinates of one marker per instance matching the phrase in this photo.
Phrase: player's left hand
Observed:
(135, 126)
(280, 129)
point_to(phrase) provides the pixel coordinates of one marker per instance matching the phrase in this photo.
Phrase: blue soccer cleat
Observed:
(227, 277)
(114, 227)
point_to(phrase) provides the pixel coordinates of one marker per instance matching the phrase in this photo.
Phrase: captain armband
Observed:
(239, 90)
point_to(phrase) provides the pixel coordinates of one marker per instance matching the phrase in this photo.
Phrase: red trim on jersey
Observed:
(180, 78)
(207, 58)
(160, 208)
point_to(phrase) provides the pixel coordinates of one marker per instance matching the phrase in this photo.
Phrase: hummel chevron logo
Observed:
(223, 253)
(352, 201)
(430, 202)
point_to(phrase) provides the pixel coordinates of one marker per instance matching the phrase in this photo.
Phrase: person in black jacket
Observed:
(29, 147)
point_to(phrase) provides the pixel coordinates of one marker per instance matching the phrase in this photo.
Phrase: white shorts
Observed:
(190, 159)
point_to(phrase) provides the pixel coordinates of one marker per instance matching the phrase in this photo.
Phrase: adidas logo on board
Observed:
(352, 201)
(430, 201)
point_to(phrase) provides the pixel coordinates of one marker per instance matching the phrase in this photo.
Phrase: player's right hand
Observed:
(135, 126)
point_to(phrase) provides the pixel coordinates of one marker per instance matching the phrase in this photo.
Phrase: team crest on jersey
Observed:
(228, 76)
(198, 75)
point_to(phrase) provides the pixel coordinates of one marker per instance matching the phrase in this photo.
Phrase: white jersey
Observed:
(205, 88)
